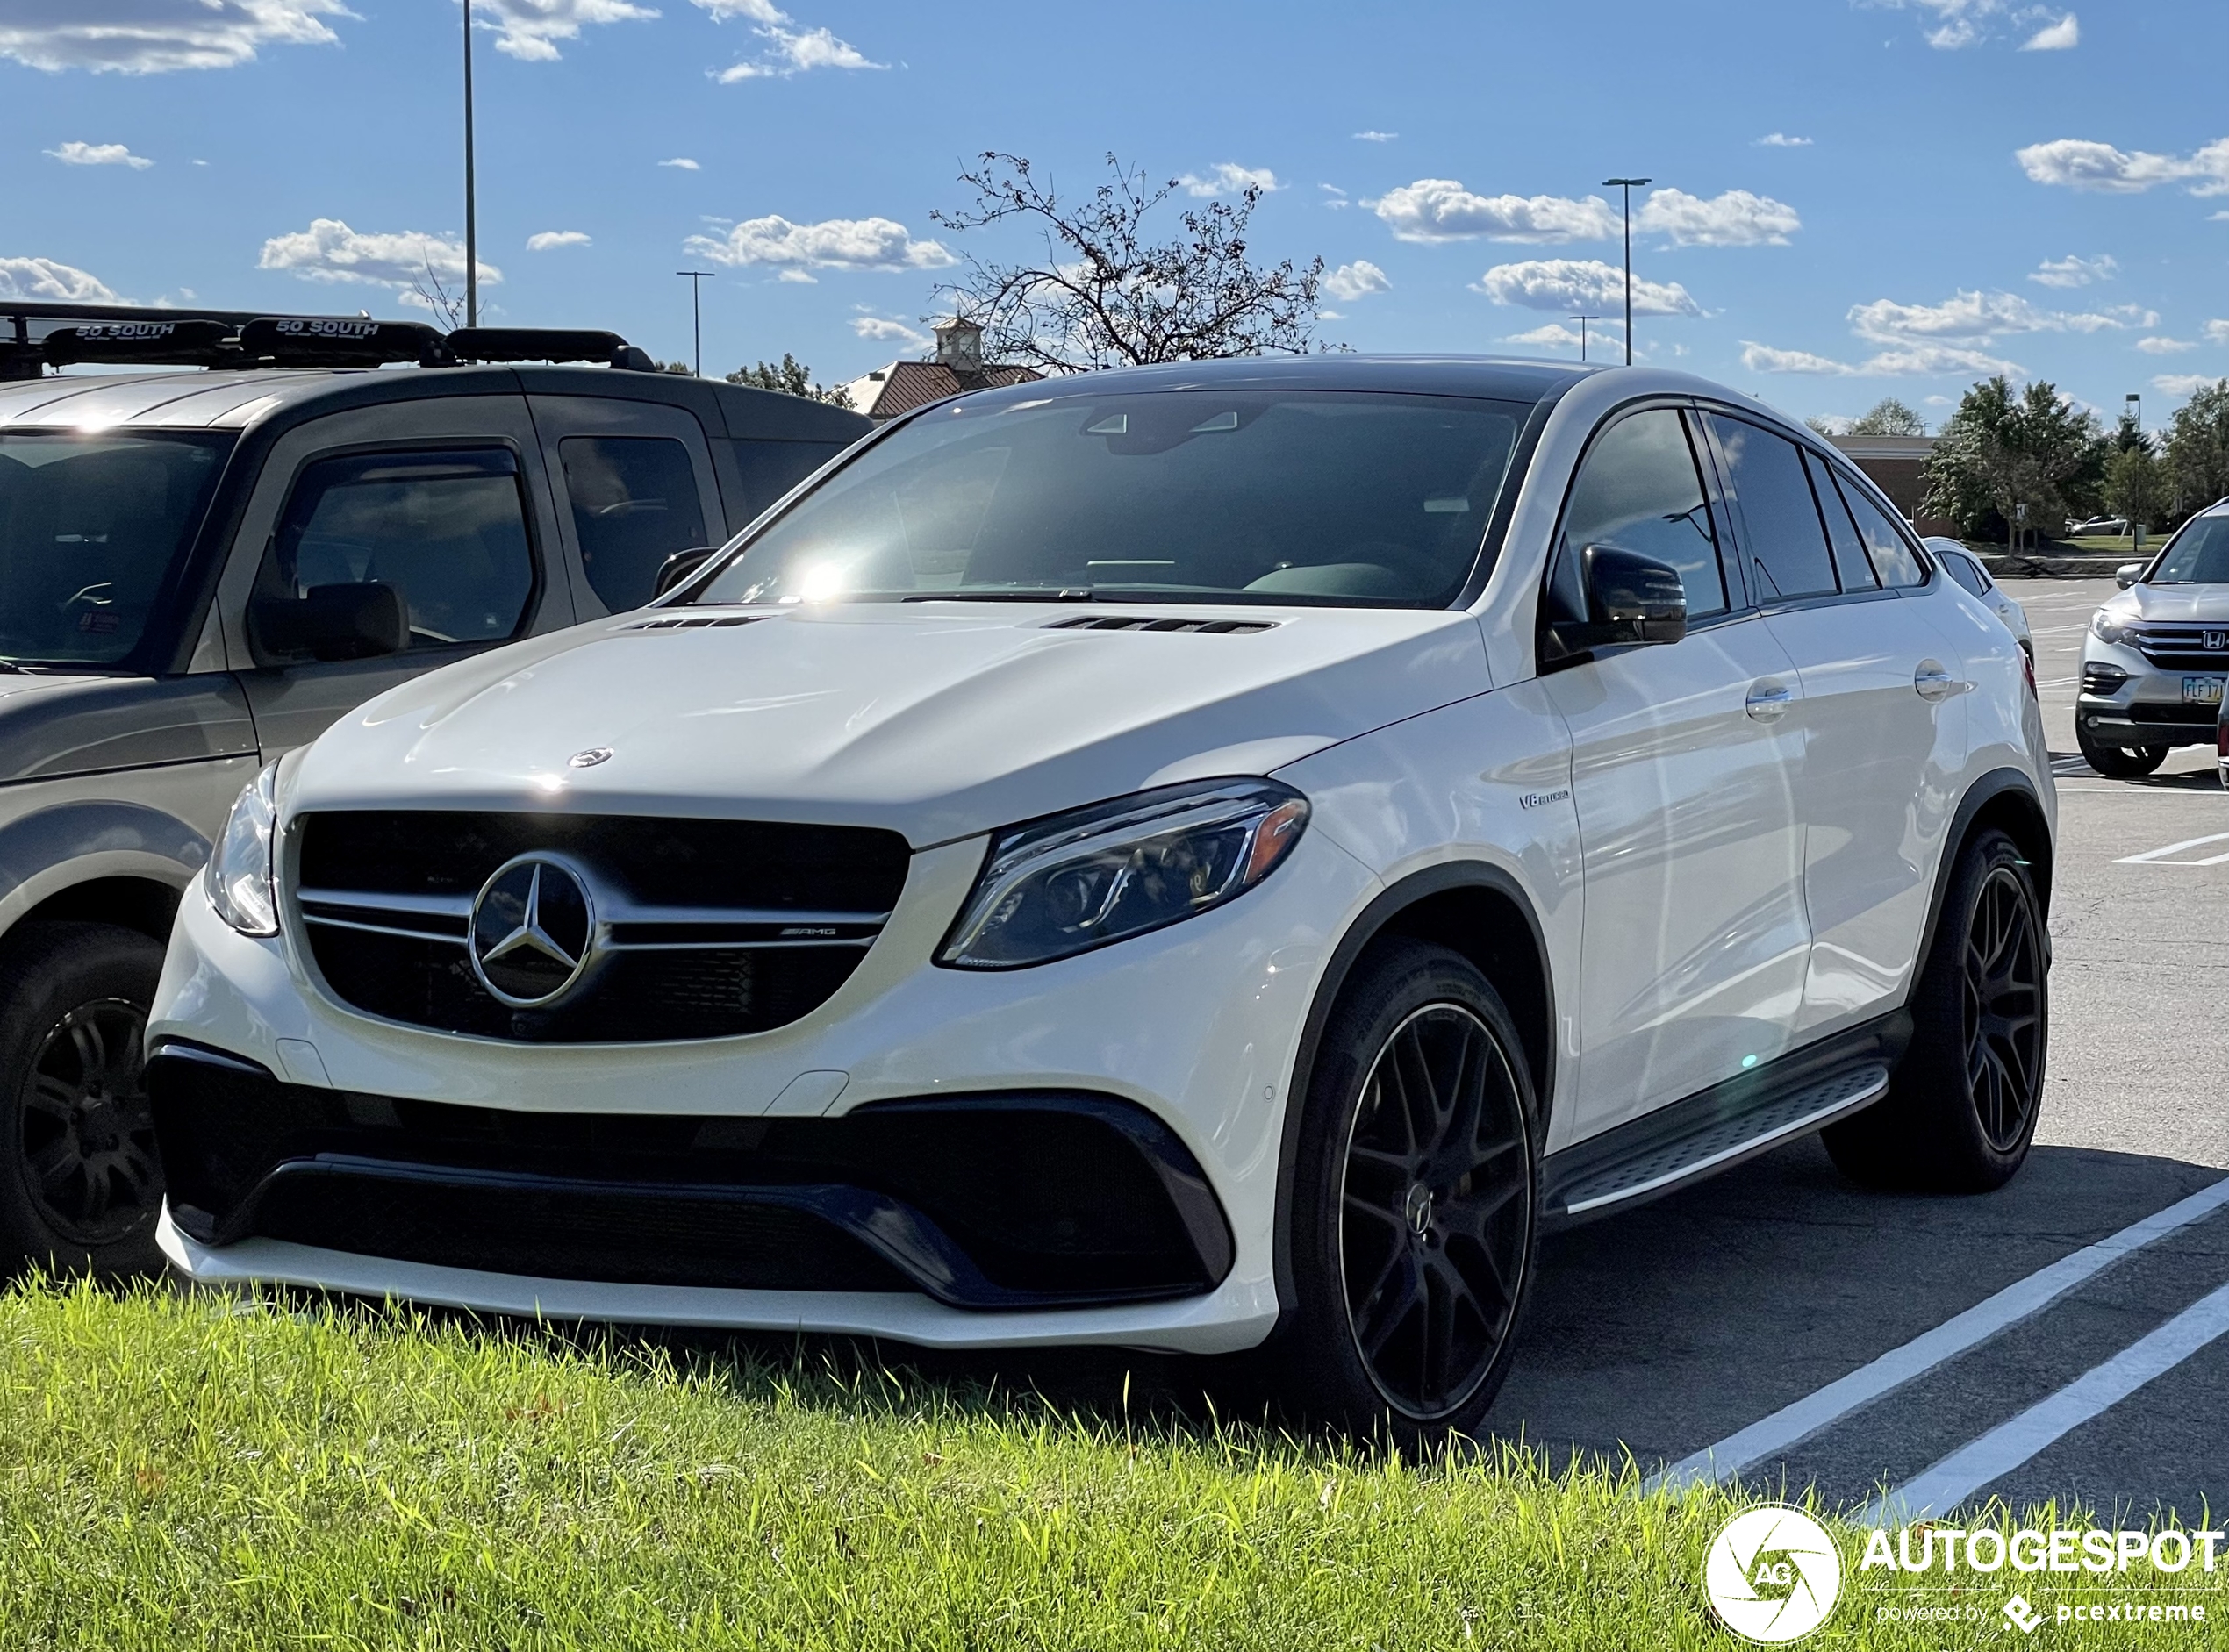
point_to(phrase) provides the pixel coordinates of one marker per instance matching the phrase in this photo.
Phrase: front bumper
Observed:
(2147, 707)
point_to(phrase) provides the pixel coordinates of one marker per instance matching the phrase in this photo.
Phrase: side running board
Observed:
(1719, 1127)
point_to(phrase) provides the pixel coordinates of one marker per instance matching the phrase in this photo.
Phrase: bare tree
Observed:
(436, 296)
(1106, 294)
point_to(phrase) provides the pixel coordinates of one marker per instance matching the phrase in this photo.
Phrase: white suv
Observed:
(1199, 858)
(2157, 655)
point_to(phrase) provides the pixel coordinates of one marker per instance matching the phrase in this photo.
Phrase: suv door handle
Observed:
(1768, 700)
(1933, 682)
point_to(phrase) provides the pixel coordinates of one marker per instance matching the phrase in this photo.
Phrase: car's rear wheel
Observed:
(79, 1182)
(1963, 1107)
(2120, 762)
(1413, 1217)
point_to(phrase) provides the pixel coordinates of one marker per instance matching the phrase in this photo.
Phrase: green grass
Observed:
(196, 1471)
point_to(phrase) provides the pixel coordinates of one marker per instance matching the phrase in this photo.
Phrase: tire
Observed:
(1413, 1220)
(1961, 1110)
(2120, 762)
(79, 1182)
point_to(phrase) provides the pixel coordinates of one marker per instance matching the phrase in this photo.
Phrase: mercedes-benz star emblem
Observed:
(590, 758)
(531, 928)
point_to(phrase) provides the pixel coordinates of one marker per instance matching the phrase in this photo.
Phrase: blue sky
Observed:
(1852, 200)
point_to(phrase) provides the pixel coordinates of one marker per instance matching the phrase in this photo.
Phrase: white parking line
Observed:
(2007, 1446)
(2020, 1300)
(2163, 856)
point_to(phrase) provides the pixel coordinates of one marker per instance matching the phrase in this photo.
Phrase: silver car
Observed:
(2157, 654)
(1966, 568)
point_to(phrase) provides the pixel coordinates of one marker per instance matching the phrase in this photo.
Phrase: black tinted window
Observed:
(634, 504)
(1781, 535)
(1638, 489)
(447, 530)
(1892, 554)
(1963, 571)
(771, 469)
(91, 525)
(1327, 497)
(1850, 561)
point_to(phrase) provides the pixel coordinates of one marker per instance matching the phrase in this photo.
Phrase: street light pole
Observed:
(471, 201)
(2135, 402)
(1629, 185)
(1582, 321)
(697, 279)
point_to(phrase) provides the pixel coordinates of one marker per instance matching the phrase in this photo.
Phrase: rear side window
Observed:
(447, 529)
(1899, 565)
(1850, 560)
(1781, 533)
(1639, 489)
(634, 504)
(1964, 572)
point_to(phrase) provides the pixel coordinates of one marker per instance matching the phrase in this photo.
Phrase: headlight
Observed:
(2105, 628)
(239, 871)
(1067, 884)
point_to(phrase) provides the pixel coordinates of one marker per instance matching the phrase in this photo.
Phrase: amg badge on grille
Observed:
(531, 926)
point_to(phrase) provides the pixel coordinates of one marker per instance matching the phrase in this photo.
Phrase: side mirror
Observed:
(2127, 574)
(678, 567)
(334, 622)
(1631, 599)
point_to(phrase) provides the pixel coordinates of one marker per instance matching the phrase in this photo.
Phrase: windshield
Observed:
(1190, 495)
(91, 525)
(2199, 555)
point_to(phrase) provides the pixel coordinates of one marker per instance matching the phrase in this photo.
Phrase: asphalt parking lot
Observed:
(1766, 1323)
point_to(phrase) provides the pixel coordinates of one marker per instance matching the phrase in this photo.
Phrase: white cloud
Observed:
(1963, 23)
(2217, 332)
(798, 277)
(1921, 360)
(547, 241)
(884, 330)
(1227, 177)
(1442, 210)
(1377, 137)
(530, 28)
(2062, 36)
(1335, 198)
(329, 250)
(1980, 316)
(1764, 357)
(2080, 163)
(2183, 383)
(1357, 280)
(149, 37)
(1781, 141)
(682, 162)
(75, 154)
(1571, 284)
(2072, 271)
(838, 243)
(2166, 347)
(44, 278)
(789, 50)
(1555, 335)
(1736, 218)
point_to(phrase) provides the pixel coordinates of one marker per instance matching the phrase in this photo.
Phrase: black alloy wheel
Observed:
(1435, 1211)
(2003, 1009)
(88, 1134)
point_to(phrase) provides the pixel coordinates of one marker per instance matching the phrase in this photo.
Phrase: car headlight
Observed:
(240, 870)
(1056, 887)
(2105, 628)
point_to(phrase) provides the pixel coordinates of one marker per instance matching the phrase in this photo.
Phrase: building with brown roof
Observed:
(957, 367)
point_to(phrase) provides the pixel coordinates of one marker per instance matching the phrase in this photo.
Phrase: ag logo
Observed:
(1772, 1575)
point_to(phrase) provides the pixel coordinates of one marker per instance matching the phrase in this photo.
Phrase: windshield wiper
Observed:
(1047, 594)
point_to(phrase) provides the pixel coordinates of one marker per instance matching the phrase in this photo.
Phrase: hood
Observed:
(2200, 603)
(937, 720)
(54, 724)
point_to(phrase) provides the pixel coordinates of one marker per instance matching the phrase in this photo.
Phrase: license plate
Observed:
(2202, 691)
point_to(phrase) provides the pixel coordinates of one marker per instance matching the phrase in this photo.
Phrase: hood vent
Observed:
(695, 622)
(1138, 622)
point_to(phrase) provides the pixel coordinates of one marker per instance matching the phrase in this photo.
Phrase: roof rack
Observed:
(36, 336)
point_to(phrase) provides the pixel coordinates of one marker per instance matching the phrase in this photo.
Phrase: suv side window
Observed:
(447, 529)
(633, 500)
(1639, 489)
(1781, 531)
(1849, 550)
(1892, 553)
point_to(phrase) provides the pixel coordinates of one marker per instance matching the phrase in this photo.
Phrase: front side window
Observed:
(633, 500)
(2199, 556)
(447, 530)
(1638, 490)
(1193, 496)
(1781, 533)
(92, 526)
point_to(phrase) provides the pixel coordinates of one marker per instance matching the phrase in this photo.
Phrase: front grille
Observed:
(2182, 647)
(704, 928)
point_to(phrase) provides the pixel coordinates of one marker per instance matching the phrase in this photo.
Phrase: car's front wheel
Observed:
(2120, 762)
(80, 1184)
(1414, 1209)
(1962, 1110)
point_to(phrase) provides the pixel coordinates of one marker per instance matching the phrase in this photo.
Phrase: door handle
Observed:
(1768, 700)
(1933, 682)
